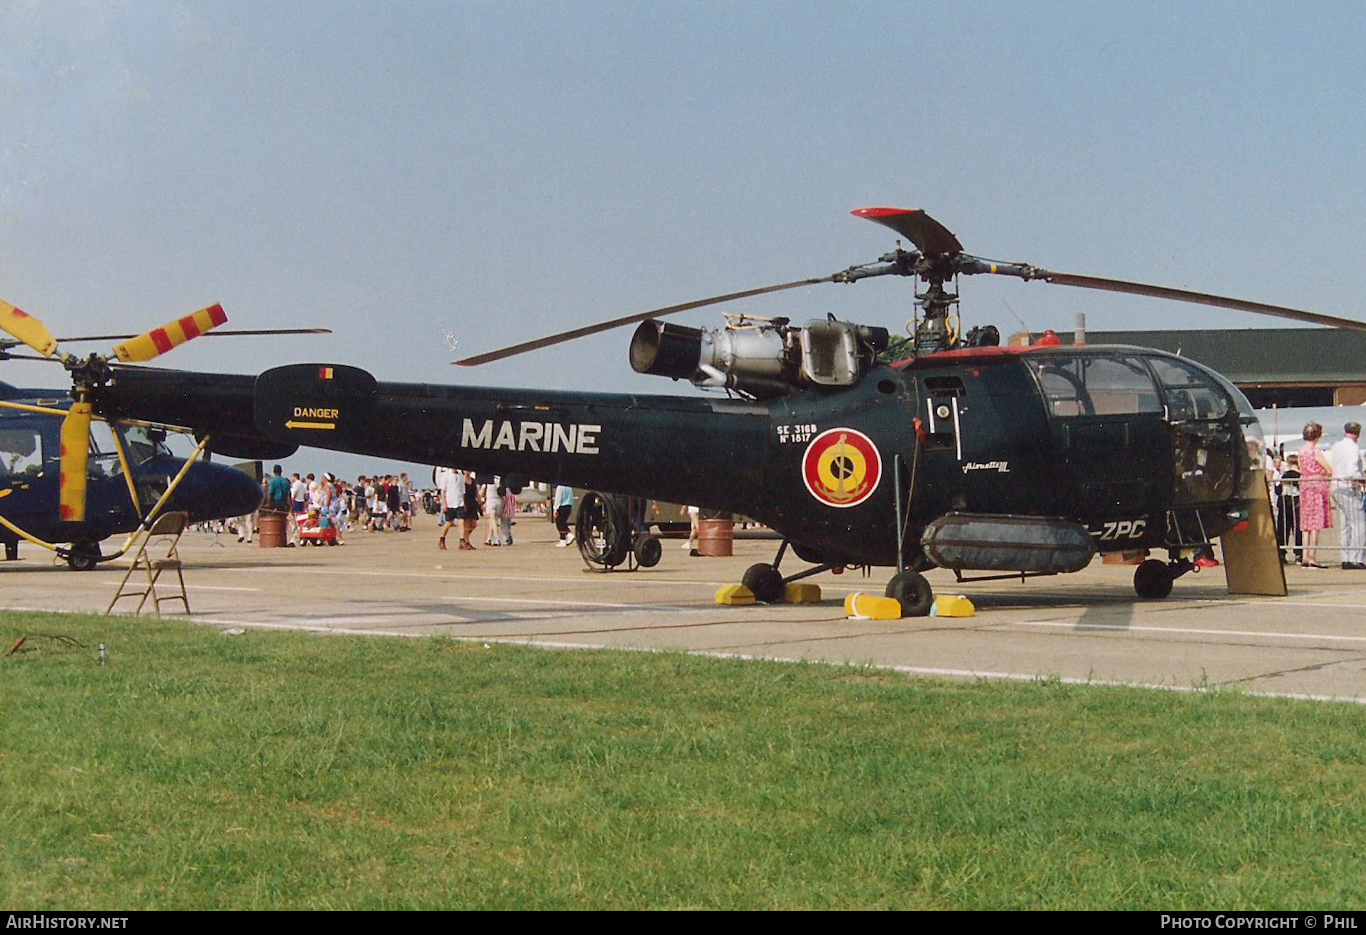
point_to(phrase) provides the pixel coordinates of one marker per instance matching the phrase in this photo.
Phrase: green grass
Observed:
(200, 770)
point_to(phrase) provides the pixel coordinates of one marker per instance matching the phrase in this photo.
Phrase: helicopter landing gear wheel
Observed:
(913, 592)
(602, 531)
(85, 555)
(648, 551)
(1153, 580)
(765, 581)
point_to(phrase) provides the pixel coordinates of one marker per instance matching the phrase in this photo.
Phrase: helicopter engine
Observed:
(762, 358)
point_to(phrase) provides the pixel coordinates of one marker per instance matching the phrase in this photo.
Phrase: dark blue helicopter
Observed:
(67, 476)
(121, 489)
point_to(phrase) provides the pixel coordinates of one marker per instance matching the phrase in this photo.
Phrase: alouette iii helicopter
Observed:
(67, 478)
(965, 455)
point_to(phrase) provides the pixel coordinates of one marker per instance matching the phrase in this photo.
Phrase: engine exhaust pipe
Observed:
(666, 350)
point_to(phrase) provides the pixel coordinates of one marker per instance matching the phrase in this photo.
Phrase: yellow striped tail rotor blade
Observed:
(75, 456)
(160, 340)
(28, 329)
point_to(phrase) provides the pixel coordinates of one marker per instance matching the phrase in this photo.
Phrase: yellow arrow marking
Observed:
(329, 426)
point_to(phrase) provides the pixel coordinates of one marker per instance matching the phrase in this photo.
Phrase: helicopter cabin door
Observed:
(1107, 425)
(980, 430)
(939, 432)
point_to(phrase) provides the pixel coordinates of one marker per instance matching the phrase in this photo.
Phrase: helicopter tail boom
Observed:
(627, 444)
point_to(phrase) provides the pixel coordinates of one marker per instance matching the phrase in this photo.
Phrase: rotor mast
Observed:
(932, 331)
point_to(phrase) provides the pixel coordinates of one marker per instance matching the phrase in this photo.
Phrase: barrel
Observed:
(270, 529)
(715, 537)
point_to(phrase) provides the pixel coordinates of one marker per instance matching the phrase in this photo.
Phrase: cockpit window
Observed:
(21, 452)
(104, 456)
(142, 443)
(1096, 386)
(1191, 393)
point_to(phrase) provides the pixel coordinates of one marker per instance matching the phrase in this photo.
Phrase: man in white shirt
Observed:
(451, 484)
(1345, 457)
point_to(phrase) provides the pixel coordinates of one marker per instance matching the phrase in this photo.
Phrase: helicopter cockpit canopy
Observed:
(1096, 384)
(1196, 403)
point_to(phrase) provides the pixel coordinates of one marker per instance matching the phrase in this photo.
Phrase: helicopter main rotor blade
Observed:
(75, 455)
(1027, 272)
(158, 341)
(1200, 298)
(628, 320)
(27, 329)
(929, 236)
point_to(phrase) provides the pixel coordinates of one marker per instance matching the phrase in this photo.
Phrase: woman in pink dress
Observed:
(1315, 513)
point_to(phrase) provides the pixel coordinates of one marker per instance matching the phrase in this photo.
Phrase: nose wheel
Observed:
(913, 592)
(1153, 578)
(84, 555)
(765, 581)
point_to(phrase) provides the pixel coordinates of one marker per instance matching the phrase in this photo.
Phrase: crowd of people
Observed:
(460, 500)
(1320, 488)
(389, 503)
(378, 503)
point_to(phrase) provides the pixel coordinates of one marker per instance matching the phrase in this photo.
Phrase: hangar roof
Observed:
(1258, 355)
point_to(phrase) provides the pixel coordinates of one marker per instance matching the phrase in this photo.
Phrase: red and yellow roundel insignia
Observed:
(841, 467)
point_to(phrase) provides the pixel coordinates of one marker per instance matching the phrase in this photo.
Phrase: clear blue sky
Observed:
(503, 170)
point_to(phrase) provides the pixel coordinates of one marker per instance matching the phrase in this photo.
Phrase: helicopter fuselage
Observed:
(1140, 448)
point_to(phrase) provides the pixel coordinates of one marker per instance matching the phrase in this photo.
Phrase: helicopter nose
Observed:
(213, 491)
(241, 494)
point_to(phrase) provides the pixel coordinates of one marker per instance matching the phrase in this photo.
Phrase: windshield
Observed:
(1195, 392)
(141, 443)
(1255, 477)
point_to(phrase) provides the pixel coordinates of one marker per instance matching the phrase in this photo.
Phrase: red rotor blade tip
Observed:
(880, 212)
